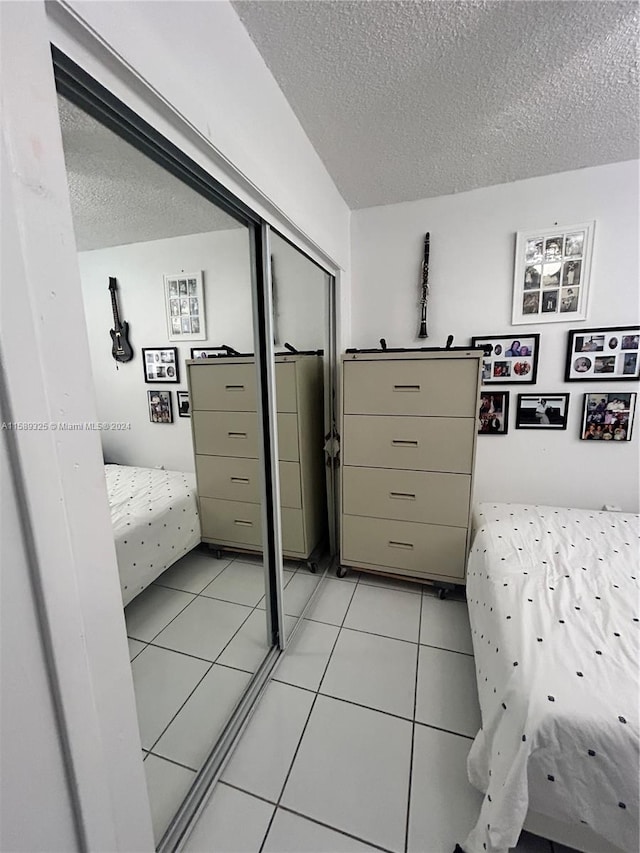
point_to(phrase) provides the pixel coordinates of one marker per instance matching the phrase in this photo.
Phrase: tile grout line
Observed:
(303, 816)
(335, 829)
(413, 730)
(163, 732)
(304, 729)
(244, 791)
(188, 604)
(447, 731)
(171, 761)
(370, 708)
(389, 637)
(197, 657)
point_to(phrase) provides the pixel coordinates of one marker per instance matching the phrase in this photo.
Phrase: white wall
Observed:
(223, 258)
(471, 278)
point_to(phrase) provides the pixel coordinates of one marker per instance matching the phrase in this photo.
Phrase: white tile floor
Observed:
(196, 635)
(360, 742)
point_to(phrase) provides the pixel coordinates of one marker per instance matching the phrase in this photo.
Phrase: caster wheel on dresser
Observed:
(312, 566)
(219, 554)
(442, 594)
(341, 571)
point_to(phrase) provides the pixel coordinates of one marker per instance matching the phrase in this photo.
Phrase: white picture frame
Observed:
(552, 274)
(184, 307)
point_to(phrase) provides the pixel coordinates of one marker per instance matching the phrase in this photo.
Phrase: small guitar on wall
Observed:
(121, 349)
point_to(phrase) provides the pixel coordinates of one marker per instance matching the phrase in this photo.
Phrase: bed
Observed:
(155, 522)
(554, 609)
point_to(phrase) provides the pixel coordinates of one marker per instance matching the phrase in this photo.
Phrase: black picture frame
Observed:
(498, 368)
(184, 404)
(160, 365)
(605, 354)
(545, 411)
(160, 407)
(493, 413)
(608, 417)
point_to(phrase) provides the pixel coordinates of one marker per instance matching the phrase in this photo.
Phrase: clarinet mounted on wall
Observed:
(424, 286)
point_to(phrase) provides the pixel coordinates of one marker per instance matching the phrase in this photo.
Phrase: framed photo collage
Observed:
(609, 354)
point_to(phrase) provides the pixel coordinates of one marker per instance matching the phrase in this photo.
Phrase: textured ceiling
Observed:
(407, 100)
(119, 195)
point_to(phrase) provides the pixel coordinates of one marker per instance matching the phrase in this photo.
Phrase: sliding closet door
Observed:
(302, 358)
(176, 289)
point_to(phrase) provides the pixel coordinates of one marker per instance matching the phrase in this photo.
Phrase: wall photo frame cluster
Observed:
(552, 274)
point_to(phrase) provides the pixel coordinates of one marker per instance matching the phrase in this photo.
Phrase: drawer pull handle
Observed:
(234, 387)
(242, 522)
(239, 479)
(403, 442)
(237, 434)
(406, 387)
(406, 545)
(402, 496)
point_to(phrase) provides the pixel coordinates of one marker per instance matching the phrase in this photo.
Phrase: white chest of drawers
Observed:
(226, 440)
(408, 450)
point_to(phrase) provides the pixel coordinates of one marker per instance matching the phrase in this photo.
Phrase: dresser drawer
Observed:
(240, 523)
(236, 434)
(234, 479)
(407, 495)
(222, 387)
(416, 444)
(418, 549)
(441, 387)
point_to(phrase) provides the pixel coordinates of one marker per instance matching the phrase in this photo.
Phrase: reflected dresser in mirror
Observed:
(226, 438)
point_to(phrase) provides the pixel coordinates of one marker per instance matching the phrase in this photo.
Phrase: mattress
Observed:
(554, 609)
(155, 522)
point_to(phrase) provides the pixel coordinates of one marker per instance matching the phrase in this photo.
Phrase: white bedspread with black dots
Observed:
(554, 609)
(155, 522)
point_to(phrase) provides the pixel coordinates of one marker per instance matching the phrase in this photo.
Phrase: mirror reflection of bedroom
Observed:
(167, 288)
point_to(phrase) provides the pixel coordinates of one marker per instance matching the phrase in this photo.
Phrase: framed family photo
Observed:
(542, 411)
(493, 414)
(160, 410)
(160, 364)
(608, 417)
(611, 354)
(552, 273)
(183, 404)
(508, 359)
(184, 307)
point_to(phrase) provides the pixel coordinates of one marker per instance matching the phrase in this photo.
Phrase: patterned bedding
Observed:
(554, 609)
(155, 522)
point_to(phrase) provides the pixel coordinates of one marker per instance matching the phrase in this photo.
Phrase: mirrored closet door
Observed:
(167, 279)
(212, 349)
(301, 291)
